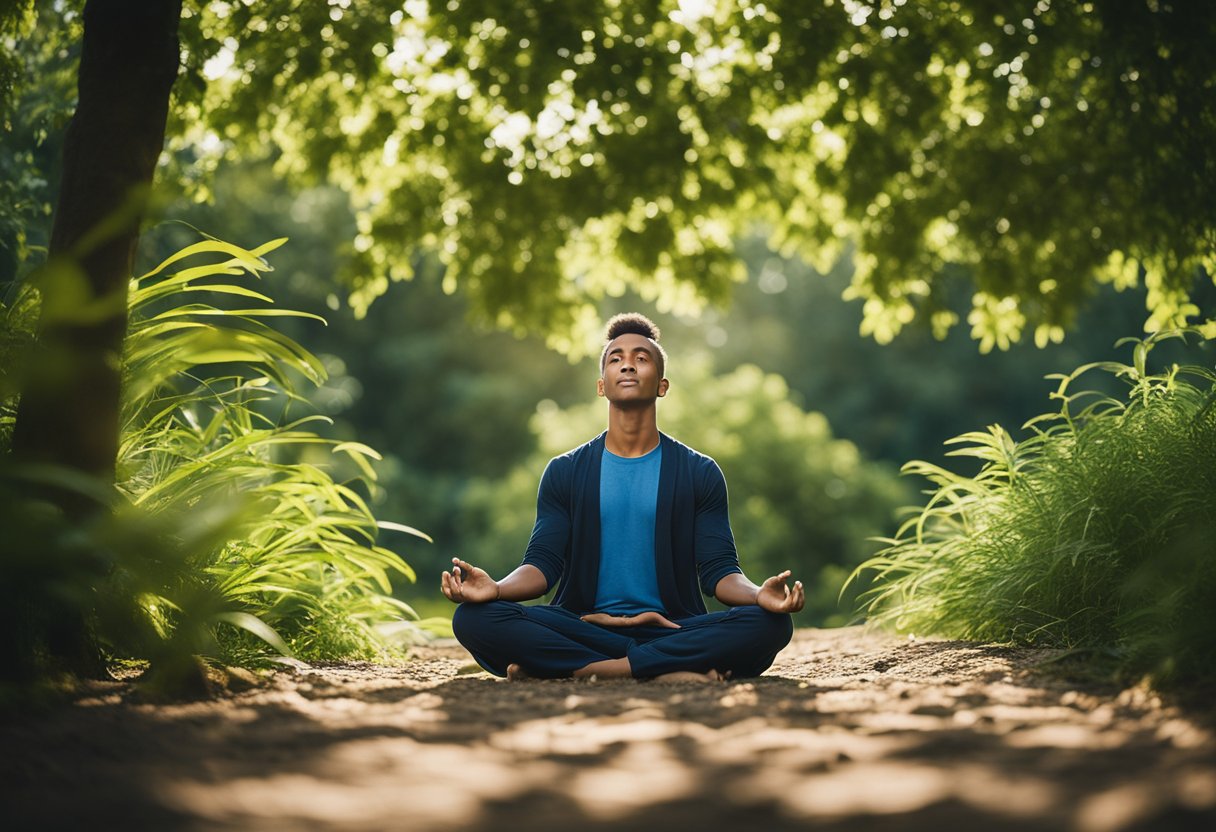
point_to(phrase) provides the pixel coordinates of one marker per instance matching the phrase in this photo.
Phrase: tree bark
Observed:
(70, 405)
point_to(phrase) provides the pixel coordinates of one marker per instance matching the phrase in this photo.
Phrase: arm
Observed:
(550, 541)
(713, 541)
(735, 590)
(470, 584)
(718, 560)
(543, 560)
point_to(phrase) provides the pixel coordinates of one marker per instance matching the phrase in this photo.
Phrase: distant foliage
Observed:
(231, 531)
(800, 499)
(1097, 532)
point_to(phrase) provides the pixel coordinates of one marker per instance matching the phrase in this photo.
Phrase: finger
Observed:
(464, 565)
(793, 601)
(778, 579)
(655, 618)
(606, 620)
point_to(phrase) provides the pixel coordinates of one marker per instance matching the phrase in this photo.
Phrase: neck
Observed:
(632, 431)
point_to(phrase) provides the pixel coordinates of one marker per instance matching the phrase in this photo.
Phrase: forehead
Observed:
(630, 342)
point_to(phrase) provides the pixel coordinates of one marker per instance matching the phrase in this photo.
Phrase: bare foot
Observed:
(606, 669)
(515, 673)
(689, 676)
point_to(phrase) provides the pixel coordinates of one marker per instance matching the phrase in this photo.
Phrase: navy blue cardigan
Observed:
(692, 538)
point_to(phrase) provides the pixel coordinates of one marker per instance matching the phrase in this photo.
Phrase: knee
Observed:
(773, 629)
(779, 627)
(467, 620)
(471, 620)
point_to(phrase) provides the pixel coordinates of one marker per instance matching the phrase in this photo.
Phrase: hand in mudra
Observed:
(775, 596)
(467, 583)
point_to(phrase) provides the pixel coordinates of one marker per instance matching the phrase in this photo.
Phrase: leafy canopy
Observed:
(550, 153)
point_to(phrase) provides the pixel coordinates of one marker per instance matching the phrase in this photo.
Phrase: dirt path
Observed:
(848, 731)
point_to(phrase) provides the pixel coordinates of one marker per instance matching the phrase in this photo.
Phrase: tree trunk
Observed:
(69, 409)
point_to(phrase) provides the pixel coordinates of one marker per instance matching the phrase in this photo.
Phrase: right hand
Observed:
(468, 584)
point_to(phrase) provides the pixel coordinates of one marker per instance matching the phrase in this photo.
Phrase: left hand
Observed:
(775, 596)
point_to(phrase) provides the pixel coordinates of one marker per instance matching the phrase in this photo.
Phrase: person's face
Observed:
(631, 371)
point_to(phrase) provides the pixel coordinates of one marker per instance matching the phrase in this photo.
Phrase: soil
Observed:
(848, 730)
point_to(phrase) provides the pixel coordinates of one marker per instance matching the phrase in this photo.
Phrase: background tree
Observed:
(69, 405)
(68, 413)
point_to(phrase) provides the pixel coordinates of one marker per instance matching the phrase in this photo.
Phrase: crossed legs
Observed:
(510, 639)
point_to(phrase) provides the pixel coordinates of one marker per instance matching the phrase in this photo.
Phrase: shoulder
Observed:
(703, 467)
(563, 466)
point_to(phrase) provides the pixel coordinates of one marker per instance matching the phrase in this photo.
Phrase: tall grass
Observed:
(228, 535)
(1096, 532)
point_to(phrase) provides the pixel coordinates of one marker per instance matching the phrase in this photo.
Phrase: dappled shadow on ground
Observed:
(849, 731)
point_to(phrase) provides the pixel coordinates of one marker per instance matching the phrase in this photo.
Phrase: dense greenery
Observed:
(449, 403)
(948, 160)
(232, 527)
(1094, 532)
(801, 499)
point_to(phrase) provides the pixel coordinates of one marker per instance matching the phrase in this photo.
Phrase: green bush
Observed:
(800, 499)
(230, 530)
(1097, 532)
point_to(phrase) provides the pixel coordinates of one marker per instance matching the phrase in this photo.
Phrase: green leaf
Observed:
(398, 527)
(257, 627)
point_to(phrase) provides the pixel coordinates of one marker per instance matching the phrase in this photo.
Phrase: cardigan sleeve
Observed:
(714, 543)
(551, 535)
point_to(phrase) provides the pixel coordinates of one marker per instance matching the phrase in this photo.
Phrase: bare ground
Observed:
(848, 730)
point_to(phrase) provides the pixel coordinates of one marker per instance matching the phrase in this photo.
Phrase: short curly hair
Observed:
(633, 323)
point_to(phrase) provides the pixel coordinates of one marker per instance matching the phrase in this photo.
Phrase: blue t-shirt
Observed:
(629, 496)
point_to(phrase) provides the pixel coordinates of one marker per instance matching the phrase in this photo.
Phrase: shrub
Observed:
(228, 531)
(1096, 532)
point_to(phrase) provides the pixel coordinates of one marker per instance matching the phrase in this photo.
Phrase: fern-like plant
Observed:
(229, 535)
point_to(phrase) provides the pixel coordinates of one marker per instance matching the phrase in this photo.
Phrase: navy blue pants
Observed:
(551, 642)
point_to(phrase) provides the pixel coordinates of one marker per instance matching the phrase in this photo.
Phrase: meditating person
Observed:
(628, 526)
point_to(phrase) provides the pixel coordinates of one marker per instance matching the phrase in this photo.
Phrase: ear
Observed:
(663, 385)
(599, 388)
